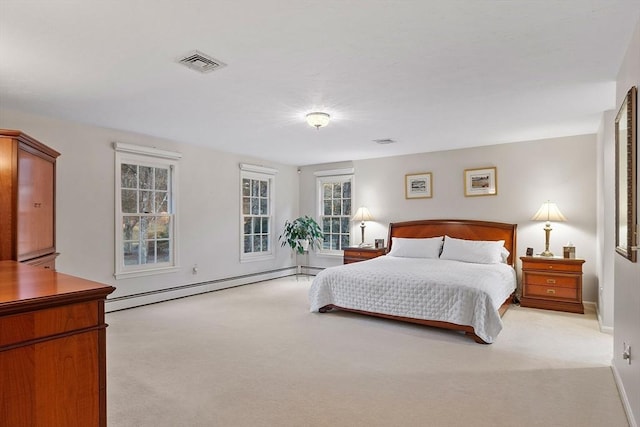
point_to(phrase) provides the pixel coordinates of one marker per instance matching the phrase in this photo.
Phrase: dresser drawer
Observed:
(44, 323)
(552, 281)
(550, 292)
(47, 261)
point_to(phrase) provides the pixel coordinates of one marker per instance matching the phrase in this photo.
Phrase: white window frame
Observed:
(153, 157)
(261, 173)
(334, 175)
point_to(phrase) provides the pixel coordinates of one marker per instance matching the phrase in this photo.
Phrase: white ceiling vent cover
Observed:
(201, 62)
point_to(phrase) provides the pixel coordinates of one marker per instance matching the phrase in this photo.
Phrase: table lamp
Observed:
(362, 215)
(548, 212)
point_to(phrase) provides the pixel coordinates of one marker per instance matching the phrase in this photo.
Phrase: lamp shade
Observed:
(362, 214)
(318, 119)
(548, 212)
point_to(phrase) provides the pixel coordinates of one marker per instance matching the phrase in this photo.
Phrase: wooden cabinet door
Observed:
(52, 383)
(35, 206)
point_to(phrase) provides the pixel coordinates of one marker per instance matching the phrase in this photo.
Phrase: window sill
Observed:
(142, 273)
(258, 258)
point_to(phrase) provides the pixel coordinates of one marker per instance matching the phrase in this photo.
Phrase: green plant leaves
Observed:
(299, 230)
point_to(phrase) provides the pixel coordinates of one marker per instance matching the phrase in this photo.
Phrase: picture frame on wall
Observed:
(626, 173)
(418, 185)
(481, 182)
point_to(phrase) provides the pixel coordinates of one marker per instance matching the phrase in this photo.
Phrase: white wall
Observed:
(209, 207)
(606, 219)
(627, 274)
(560, 169)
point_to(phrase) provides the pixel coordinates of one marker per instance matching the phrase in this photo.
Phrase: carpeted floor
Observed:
(255, 356)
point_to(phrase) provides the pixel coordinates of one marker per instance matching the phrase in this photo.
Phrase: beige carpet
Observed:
(255, 356)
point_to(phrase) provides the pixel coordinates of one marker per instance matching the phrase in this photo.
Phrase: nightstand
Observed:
(552, 283)
(357, 254)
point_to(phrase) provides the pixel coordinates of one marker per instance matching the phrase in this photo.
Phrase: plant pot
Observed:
(304, 244)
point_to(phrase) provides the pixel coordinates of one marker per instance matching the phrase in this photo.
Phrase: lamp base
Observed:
(546, 253)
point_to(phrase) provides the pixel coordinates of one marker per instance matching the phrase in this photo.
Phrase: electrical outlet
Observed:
(626, 352)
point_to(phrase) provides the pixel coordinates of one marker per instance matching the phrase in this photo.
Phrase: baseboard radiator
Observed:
(182, 291)
(175, 292)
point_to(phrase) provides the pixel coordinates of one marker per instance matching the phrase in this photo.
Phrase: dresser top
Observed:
(24, 288)
(551, 259)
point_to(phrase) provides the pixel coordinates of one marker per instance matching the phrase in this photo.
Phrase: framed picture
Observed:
(417, 186)
(626, 172)
(480, 182)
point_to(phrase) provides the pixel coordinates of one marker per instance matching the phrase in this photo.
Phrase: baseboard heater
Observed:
(182, 291)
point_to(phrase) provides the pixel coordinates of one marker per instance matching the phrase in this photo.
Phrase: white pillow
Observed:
(504, 254)
(476, 251)
(416, 248)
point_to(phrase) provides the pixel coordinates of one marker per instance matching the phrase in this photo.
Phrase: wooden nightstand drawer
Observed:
(562, 265)
(551, 292)
(361, 254)
(552, 281)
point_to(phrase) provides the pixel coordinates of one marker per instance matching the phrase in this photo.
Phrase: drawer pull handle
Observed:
(551, 267)
(551, 291)
(551, 281)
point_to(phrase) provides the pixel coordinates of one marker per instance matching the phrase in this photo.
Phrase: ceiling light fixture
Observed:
(318, 119)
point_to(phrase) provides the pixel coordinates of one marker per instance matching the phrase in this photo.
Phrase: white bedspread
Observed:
(430, 289)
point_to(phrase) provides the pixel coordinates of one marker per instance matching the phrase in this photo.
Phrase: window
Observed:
(256, 198)
(334, 201)
(145, 211)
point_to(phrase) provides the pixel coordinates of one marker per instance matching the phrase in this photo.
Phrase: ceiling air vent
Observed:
(199, 61)
(384, 141)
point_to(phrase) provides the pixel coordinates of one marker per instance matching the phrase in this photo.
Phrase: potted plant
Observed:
(301, 234)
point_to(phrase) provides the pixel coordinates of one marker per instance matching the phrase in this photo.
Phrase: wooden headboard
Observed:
(459, 229)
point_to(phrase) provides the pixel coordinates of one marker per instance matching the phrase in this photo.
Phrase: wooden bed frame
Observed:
(459, 229)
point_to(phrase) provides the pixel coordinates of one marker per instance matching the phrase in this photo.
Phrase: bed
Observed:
(434, 288)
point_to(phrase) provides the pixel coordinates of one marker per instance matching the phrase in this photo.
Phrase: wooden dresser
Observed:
(52, 348)
(552, 283)
(357, 254)
(27, 200)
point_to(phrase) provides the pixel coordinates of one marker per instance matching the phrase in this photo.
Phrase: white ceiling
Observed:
(432, 75)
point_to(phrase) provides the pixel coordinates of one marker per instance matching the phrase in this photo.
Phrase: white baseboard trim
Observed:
(623, 396)
(603, 329)
(160, 295)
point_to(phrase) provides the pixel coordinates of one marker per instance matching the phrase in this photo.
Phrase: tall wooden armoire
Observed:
(27, 200)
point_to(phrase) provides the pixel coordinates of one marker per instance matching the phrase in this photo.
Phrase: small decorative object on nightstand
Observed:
(552, 283)
(361, 254)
